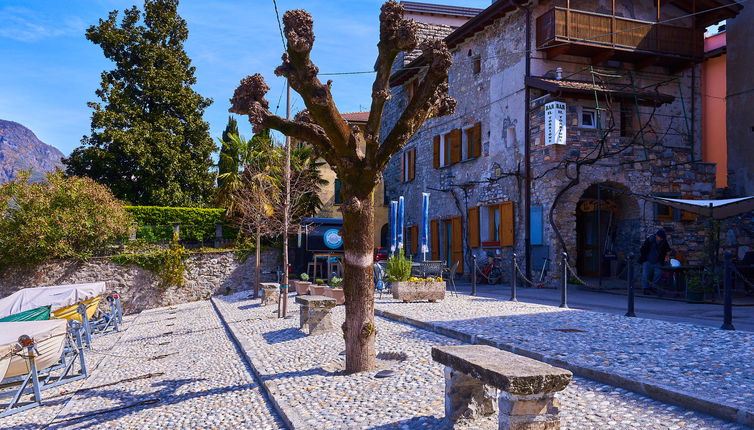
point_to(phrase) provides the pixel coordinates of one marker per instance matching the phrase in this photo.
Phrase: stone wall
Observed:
(208, 273)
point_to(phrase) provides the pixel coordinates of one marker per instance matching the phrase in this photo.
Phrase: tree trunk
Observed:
(358, 284)
(257, 268)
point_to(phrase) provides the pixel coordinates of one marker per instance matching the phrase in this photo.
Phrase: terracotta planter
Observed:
(317, 290)
(417, 291)
(337, 294)
(302, 287)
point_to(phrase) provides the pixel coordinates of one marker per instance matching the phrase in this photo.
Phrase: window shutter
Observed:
(457, 244)
(536, 233)
(403, 166)
(411, 164)
(414, 239)
(473, 216)
(506, 224)
(476, 141)
(434, 234)
(455, 146)
(436, 152)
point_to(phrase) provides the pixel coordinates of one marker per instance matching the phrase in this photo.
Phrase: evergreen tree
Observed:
(148, 140)
(228, 161)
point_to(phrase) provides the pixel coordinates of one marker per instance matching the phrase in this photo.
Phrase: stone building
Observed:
(561, 105)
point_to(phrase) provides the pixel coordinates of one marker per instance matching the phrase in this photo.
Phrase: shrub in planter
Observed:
(337, 294)
(302, 287)
(318, 289)
(304, 277)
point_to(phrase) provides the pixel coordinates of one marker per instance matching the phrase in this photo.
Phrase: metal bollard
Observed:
(728, 286)
(630, 262)
(514, 279)
(564, 289)
(473, 275)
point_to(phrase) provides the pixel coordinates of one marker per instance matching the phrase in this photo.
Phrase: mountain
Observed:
(20, 150)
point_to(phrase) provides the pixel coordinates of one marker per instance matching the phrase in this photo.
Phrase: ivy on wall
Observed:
(155, 223)
(169, 265)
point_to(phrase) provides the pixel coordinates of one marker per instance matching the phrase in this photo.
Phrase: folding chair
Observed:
(451, 277)
(379, 279)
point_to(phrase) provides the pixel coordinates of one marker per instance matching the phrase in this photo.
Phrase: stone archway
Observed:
(610, 227)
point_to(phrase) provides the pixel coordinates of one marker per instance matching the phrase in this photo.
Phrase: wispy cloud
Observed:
(25, 25)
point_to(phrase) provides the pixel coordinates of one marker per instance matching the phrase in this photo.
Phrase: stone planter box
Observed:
(317, 290)
(416, 291)
(302, 287)
(337, 294)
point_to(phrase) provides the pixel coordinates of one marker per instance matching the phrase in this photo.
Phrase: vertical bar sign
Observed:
(425, 225)
(555, 123)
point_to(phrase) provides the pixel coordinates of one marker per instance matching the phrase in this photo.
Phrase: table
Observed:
(329, 257)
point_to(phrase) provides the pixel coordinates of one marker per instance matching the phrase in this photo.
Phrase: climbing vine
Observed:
(169, 264)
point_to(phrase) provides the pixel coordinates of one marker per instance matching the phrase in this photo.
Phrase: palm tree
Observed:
(237, 153)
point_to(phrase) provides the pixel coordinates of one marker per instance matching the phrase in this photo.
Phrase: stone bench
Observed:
(480, 380)
(315, 311)
(270, 293)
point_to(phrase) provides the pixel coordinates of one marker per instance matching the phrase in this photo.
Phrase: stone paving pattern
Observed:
(172, 368)
(307, 381)
(705, 361)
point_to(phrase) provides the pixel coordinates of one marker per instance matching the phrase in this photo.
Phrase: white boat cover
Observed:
(49, 336)
(56, 296)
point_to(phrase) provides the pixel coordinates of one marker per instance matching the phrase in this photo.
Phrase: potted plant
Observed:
(302, 286)
(408, 288)
(698, 287)
(335, 291)
(318, 288)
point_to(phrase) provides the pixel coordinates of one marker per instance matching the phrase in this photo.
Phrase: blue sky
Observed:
(49, 71)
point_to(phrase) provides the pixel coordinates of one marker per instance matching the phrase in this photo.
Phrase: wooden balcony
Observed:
(603, 37)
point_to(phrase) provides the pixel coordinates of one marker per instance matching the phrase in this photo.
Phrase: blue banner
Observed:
(399, 224)
(425, 225)
(392, 221)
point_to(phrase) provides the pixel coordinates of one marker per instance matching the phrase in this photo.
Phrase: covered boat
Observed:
(49, 338)
(63, 300)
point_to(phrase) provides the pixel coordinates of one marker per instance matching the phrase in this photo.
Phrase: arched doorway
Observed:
(383, 235)
(607, 224)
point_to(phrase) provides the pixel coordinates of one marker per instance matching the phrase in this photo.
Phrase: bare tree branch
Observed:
(396, 35)
(431, 100)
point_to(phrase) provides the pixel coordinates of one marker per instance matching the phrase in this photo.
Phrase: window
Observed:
(337, 192)
(588, 118)
(477, 64)
(626, 122)
(408, 165)
(665, 212)
(494, 224)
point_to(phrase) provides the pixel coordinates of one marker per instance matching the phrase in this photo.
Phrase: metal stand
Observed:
(728, 299)
(630, 267)
(564, 290)
(473, 275)
(87, 328)
(514, 279)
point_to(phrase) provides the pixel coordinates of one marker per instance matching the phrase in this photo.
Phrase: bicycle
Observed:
(493, 271)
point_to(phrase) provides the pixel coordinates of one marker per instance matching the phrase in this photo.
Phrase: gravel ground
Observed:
(305, 372)
(705, 361)
(173, 368)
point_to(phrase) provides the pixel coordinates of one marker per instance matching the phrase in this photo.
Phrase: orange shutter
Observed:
(473, 216)
(506, 224)
(436, 152)
(434, 234)
(476, 141)
(414, 239)
(411, 164)
(403, 166)
(457, 244)
(455, 146)
(686, 215)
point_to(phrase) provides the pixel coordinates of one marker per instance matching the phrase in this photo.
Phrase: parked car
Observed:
(381, 254)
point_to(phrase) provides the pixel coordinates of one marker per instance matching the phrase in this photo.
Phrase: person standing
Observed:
(652, 256)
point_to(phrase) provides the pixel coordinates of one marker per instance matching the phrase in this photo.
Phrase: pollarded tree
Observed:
(341, 145)
(148, 140)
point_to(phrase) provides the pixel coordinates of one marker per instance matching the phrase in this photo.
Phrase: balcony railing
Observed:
(567, 28)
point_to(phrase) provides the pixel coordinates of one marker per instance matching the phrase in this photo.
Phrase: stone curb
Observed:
(288, 414)
(659, 392)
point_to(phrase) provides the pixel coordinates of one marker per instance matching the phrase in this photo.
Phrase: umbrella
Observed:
(393, 220)
(717, 209)
(425, 225)
(399, 223)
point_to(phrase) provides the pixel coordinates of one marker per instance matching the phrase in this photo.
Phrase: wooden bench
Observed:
(315, 314)
(481, 380)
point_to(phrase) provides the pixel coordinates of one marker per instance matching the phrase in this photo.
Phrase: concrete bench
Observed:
(270, 293)
(315, 314)
(480, 380)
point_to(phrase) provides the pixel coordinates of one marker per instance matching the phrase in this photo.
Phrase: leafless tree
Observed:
(340, 145)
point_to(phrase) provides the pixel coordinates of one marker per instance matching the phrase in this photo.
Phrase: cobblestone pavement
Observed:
(173, 368)
(307, 382)
(704, 361)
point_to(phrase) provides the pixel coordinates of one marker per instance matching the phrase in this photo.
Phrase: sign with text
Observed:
(555, 123)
